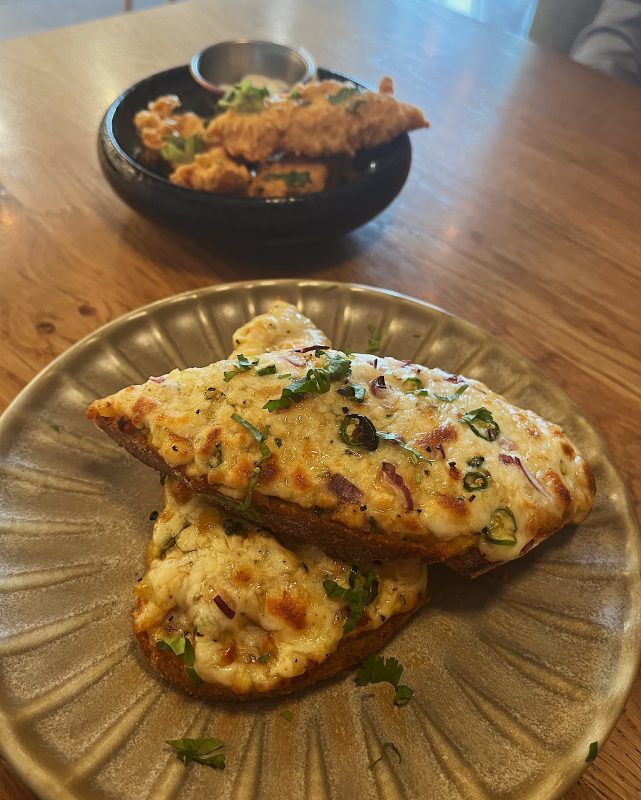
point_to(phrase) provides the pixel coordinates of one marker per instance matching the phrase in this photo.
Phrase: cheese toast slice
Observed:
(227, 612)
(364, 457)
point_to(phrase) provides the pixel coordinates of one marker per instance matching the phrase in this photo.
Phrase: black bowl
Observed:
(382, 173)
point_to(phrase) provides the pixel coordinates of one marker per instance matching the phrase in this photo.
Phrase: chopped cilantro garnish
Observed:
(593, 749)
(482, 423)
(245, 98)
(200, 751)
(317, 381)
(182, 647)
(354, 596)
(376, 669)
(268, 370)
(450, 398)
(287, 714)
(374, 341)
(354, 391)
(293, 179)
(179, 150)
(264, 658)
(245, 507)
(242, 364)
(413, 383)
(343, 95)
(279, 441)
(414, 455)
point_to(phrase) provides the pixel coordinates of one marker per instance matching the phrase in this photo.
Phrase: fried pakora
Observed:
(289, 179)
(315, 120)
(272, 145)
(213, 171)
(158, 122)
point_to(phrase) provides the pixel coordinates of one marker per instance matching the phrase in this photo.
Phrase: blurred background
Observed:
(551, 23)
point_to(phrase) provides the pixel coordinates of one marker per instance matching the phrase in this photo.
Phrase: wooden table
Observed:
(522, 211)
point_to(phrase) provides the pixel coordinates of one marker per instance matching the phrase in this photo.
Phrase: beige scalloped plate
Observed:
(513, 678)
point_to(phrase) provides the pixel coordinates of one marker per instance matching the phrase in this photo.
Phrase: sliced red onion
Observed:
(454, 379)
(344, 489)
(389, 471)
(312, 347)
(506, 444)
(158, 379)
(296, 361)
(505, 458)
(222, 605)
(377, 386)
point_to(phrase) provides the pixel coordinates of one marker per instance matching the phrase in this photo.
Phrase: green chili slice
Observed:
(475, 481)
(502, 527)
(357, 430)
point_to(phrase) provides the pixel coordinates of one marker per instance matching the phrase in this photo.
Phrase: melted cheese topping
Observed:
(280, 609)
(282, 327)
(187, 418)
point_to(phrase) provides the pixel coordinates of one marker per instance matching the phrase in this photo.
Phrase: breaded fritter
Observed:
(158, 122)
(213, 171)
(316, 120)
(289, 179)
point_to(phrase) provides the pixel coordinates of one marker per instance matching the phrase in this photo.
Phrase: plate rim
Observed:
(36, 776)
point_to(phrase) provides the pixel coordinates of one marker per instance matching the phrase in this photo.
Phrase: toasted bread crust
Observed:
(305, 525)
(288, 519)
(351, 652)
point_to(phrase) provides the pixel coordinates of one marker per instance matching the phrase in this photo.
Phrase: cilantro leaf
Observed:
(265, 453)
(343, 95)
(316, 381)
(200, 751)
(414, 455)
(376, 669)
(182, 647)
(355, 597)
(354, 391)
(287, 714)
(593, 749)
(292, 179)
(268, 370)
(245, 98)
(179, 150)
(482, 423)
(242, 364)
(450, 398)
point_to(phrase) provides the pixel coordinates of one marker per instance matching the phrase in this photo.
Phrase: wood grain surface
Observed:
(521, 213)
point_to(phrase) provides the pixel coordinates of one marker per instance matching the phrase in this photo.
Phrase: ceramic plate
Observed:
(381, 173)
(513, 677)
